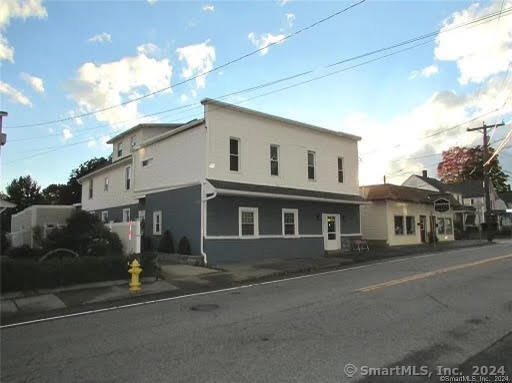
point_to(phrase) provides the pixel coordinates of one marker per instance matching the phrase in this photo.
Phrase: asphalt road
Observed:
(447, 309)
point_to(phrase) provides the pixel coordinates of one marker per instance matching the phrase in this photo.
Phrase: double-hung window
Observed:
(157, 222)
(399, 225)
(120, 149)
(105, 185)
(90, 188)
(126, 215)
(410, 226)
(104, 216)
(290, 222)
(133, 142)
(234, 154)
(274, 160)
(127, 177)
(311, 165)
(340, 169)
(248, 221)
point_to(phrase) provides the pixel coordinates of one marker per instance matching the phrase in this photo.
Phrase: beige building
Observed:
(400, 215)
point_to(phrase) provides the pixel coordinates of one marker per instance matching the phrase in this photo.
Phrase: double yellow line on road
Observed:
(429, 274)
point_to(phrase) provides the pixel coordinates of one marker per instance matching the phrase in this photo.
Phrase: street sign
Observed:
(441, 205)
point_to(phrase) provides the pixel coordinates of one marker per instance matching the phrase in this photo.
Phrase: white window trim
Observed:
(129, 216)
(238, 157)
(106, 184)
(119, 148)
(314, 165)
(254, 210)
(150, 161)
(342, 169)
(156, 214)
(104, 213)
(278, 160)
(130, 177)
(295, 221)
(90, 190)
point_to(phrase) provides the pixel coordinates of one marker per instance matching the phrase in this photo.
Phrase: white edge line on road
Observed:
(119, 307)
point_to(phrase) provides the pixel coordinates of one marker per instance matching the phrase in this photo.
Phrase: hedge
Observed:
(29, 274)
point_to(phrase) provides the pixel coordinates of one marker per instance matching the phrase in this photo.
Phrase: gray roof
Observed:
(468, 189)
(140, 126)
(284, 191)
(280, 119)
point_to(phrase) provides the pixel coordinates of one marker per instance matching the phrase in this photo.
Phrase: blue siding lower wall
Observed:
(221, 251)
(181, 215)
(222, 221)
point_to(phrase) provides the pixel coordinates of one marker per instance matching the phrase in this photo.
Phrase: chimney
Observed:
(424, 173)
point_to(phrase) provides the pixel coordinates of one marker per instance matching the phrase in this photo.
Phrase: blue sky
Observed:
(60, 58)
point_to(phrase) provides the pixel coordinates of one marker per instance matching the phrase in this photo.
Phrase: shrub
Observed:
(184, 246)
(85, 234)
(24, 251)
(166, 244)
(29, 274)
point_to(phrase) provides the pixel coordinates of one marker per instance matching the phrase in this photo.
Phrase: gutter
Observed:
(204, 201)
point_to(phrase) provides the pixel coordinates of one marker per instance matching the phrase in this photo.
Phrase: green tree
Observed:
(24, 192)
(75, 189)
(57, 194)
(461, 164)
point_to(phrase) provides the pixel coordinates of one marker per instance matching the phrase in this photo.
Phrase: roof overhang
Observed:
(114, 164)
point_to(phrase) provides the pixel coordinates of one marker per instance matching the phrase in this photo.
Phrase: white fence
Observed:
(129, 233)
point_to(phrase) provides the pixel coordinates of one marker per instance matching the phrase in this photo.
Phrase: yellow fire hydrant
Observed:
(135, 270)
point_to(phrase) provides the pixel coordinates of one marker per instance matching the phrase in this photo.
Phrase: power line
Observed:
(192, 106)
(290, 35)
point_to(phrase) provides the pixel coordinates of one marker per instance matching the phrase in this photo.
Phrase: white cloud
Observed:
(14, 94)
(283, 2)
(425, 72)
(183, 97)
(264, 40)
(66, 134)
(100, 86)
(91, 143)
(209, 8)
(6, 50)
(381, 152)
(35, 82)
(480, 51)
(20, 9)
(103, 37)
(290, 19)
(148, 49)
(199, 58)
(152, 1)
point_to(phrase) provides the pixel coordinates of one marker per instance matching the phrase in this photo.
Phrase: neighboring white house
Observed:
(237, 183)
(47, 217)
(399, 215)
(469, 194)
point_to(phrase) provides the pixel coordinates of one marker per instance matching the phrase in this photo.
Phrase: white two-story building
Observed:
(239, 184)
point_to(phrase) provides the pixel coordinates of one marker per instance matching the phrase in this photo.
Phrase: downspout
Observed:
(204, 200)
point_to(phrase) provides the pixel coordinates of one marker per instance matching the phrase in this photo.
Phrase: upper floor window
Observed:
(105, 185)
(120, 149)
(90, 188)
(311, 165)
(128, 177)
(274, 160)
(340, 169)
(234, 154)
(146, 162)
(133, 142)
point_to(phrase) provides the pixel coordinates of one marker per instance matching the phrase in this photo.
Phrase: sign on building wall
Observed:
(441, 205)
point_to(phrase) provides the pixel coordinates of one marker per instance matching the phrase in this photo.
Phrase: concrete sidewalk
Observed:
(178, 279)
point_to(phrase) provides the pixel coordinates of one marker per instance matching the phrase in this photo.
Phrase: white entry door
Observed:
(331, 231)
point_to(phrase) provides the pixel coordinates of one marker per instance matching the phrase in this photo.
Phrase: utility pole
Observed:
(487, 214)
